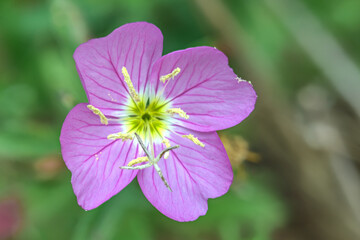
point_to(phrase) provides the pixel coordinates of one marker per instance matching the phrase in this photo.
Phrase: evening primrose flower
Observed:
(154, 117)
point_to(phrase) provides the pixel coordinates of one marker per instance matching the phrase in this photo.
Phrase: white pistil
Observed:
(123, 136)
(178, 111)
(167, 144)
(194, 140)
(137, 167)
(152, 161)
(132, 90)
(138, 160)
(96, 111)
(171, 75)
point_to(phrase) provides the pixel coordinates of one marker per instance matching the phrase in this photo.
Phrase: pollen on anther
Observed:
(122, 136)
(96, 111)
(132, 90)
(171, 75)
(138, 160)
(194, 140)
(178, 111)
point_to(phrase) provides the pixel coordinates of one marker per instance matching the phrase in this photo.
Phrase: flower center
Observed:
(147, 117)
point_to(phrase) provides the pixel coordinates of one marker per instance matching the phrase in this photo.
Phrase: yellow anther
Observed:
(138, 160)
(194, 140)
(96, 111)
(132, 90)
(178, 111)
(167, 144)
(123, 136)
(170, 75)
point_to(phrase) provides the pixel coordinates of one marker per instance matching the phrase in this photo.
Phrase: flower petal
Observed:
(94, 160)
(206, 89)
(193, 173)
(99, 62)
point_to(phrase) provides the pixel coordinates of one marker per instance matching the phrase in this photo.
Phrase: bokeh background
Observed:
(296, 158)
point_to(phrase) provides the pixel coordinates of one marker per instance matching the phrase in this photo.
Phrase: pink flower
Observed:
(179, 99)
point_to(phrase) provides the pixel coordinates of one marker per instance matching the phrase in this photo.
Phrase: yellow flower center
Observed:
(147, 117)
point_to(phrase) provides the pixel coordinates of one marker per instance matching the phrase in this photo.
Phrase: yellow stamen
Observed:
(170, 75)
(123, 136)
(132, 90)
(138, 160)
(178, 111)
(96, 111)
(167, 144)
(194, 140)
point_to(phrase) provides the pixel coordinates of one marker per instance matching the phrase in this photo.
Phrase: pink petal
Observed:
(94, 160)
(99, 62)
(206, 89)
(194, 174)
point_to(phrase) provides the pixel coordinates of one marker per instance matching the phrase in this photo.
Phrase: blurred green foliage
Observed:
(39, 85)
